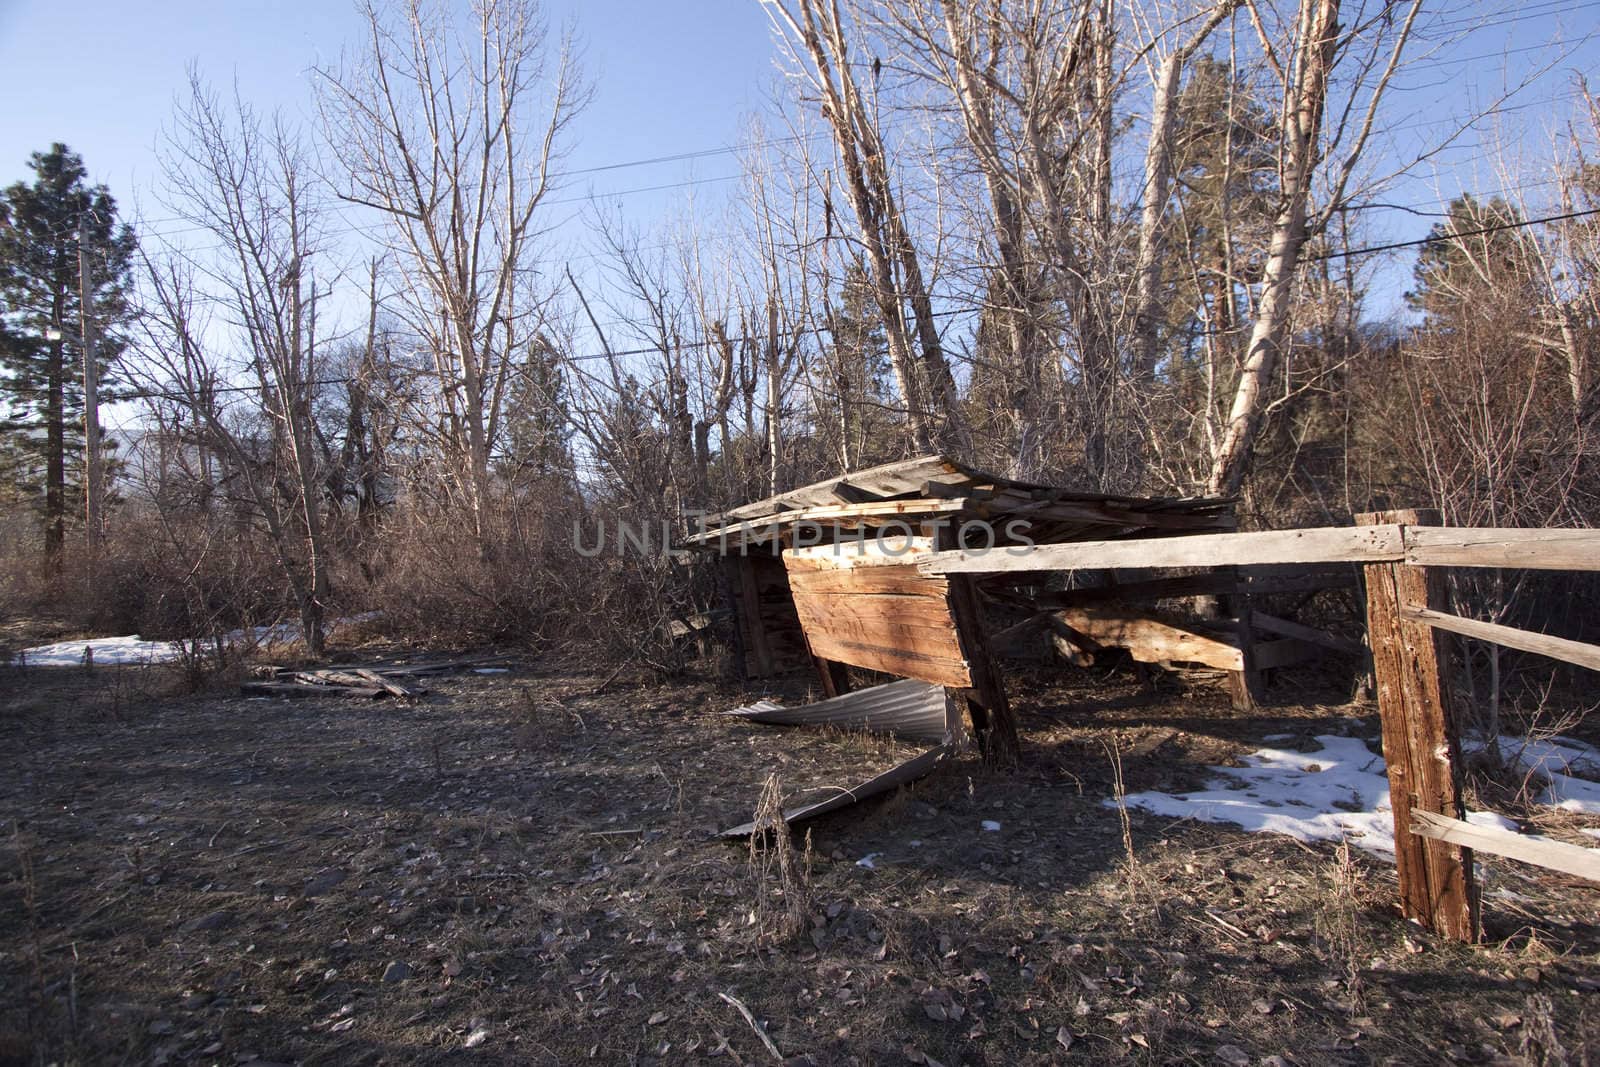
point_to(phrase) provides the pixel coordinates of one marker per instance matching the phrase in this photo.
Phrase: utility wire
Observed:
(1451, 236)
(945, 313)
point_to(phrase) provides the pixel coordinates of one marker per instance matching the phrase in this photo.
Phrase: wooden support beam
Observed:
(1150, 640)
(834, 676)
(1328, 544)
(1579, 652)
(755, 631)
(1285, 628)
(994, 724)
(1420, 742)
(1539, 851)
(1245, 684)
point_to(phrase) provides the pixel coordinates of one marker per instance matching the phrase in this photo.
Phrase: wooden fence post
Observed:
(1421, 744)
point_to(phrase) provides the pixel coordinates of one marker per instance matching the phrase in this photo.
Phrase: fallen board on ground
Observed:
(834, 797)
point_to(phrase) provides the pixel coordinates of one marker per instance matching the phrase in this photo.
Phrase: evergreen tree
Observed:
(538, 436)
(1462, 266)
(854, 405)
(41, 327)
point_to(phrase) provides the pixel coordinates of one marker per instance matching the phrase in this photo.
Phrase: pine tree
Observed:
(1465, 272)
(41, 327)
(854, 404)
(538, 437)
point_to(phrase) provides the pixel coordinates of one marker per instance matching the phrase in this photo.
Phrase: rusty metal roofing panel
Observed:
(833, 798)
(912, 710)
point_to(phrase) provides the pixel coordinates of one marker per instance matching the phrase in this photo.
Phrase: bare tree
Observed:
(450, 133)
(1151, 248)
(1317, 42)
(245, 183)
(815, 42)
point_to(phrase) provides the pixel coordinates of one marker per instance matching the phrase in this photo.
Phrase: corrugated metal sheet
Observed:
(834, 798)
(912, 710)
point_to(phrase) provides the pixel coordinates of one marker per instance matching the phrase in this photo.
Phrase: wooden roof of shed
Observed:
(932, 486)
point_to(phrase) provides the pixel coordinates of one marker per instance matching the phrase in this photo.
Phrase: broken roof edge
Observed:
(940, 484)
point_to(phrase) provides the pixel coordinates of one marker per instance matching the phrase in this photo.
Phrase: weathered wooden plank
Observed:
(901, 581)
(890, 658)
(1539, 851)
(1287, 628)
(1327, 544)
(1420, 742)
(889, 479)
(331, 677)
(935, 639)
(1579, 652)
(1543, 549)
(392, 688)
(851, 553)
(876, 612)
(1150, 640)
(814, 609)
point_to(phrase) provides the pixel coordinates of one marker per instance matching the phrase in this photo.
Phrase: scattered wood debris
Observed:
(373, 681)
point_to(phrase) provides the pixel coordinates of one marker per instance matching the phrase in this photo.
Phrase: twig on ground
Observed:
(754, 1025)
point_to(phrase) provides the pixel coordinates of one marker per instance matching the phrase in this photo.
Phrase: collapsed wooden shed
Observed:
(827, 573)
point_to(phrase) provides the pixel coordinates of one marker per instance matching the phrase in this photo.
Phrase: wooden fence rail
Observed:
(1419, 545)
(1401, 553)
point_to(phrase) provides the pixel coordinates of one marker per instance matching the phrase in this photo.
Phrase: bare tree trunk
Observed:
(881, 225)
(1316, 40)
(1151, 248)
(1317, 46)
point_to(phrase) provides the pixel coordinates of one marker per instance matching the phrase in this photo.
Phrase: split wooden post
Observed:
(987, 706)
(1421, 744)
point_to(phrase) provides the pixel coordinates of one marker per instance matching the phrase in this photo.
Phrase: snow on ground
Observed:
(1340, 791)
(1553, 762)
(136, 651)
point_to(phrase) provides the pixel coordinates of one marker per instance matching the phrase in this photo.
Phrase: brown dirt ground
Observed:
(217, 879)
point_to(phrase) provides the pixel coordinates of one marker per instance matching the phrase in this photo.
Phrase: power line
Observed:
(945, 313)
(1452, 236)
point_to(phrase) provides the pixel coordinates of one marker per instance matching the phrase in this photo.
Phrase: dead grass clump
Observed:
(1133, 872)
(1338, 925)
(780, 880)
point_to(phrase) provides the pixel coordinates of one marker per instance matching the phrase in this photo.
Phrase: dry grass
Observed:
(238, 875)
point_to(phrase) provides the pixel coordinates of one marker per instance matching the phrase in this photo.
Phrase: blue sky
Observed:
(101, 75)
(670, 77)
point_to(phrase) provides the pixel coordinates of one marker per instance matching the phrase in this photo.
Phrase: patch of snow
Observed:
(868, 861)
(1555, 761)
(110, 651)
(1338, 792)
(134, 650)
(1578, 795)
(991, 826)
(1347, 797)
(491, 670)
(1590, 831)
(1278, 737)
